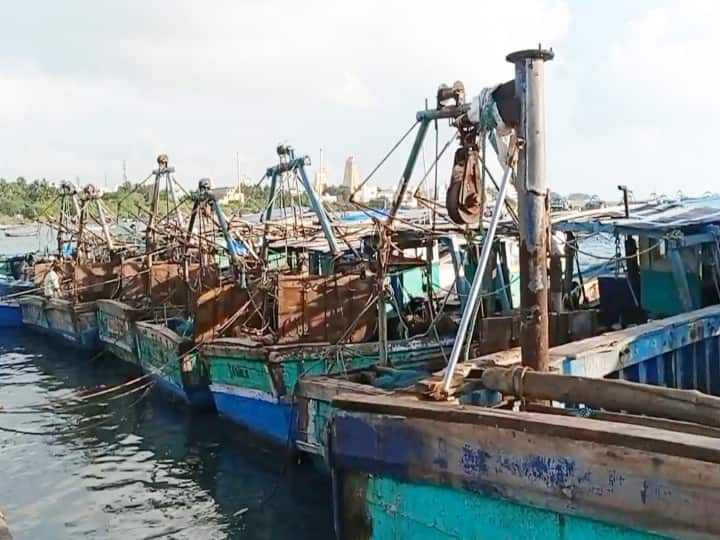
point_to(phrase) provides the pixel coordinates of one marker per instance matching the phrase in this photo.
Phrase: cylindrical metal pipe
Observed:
(474, 297)
(532, 190)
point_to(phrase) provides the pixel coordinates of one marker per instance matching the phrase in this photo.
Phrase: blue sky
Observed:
(630, 97)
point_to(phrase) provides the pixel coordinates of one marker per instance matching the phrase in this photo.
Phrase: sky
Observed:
(85, 86)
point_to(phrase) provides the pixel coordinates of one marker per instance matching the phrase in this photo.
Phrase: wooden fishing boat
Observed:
(72, 319)
(166, 352)
(256, 385)
(116, 328)
(615, 436)
(584, 470)
(73, 322)
(154, 286)
(314, 313)
(206, 296)
(409, 468)
(625, 456)
(87, 264)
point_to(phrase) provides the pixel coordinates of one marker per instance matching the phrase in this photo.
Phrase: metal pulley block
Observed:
(465, 196)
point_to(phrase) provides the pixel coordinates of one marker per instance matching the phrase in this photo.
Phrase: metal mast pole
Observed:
(532, 193)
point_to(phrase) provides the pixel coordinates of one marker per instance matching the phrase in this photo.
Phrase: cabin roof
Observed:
(694, 217)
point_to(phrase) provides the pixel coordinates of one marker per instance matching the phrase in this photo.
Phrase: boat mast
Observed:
(288, 163)
(532, 196)
(532, 193)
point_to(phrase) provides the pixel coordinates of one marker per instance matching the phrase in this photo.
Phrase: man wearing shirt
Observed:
(51, 284)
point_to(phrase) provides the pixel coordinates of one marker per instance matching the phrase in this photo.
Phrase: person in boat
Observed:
(29, 266)
(51, 283)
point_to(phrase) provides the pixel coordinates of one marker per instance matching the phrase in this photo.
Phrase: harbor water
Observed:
(134, 468)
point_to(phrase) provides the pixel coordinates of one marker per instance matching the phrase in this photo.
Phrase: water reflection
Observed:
(129, 469)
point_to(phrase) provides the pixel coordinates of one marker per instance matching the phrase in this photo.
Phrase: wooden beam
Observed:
(617, 395)
(631, 436)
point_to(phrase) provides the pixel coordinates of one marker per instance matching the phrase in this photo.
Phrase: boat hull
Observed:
(412, 468)
(402, 477)
(116, 329)
(257, 387)
(264, 416)
(174, 364)
(10, 315)
(73, 323)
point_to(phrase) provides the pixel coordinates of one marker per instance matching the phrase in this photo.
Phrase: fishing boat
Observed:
(14, 282)
(614, 436)
(168, 346)
(154, 288)
(314, 313)
(86, 263)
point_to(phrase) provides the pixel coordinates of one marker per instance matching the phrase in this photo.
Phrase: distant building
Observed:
(320, 180)
(365, 194)
(351, 178)
(225, 195)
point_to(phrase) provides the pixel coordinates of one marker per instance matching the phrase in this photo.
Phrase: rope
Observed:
(62, 432)
(617, 257)
(518, 378)
(83, 397)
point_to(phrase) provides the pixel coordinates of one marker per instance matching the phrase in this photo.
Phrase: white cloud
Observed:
(84, 86)
(666, 54)
(353, 93)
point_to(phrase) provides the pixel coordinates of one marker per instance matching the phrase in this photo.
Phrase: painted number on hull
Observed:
(238, 372)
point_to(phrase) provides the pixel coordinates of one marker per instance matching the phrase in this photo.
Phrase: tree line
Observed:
(23, 200)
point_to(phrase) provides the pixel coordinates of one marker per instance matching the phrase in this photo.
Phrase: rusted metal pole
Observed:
(532, 190)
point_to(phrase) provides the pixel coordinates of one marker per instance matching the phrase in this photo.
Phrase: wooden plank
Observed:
(665, 494)
(632, 436)
(328, 388)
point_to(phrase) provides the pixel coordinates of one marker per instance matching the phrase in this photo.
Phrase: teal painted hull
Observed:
(424, 469)
(398, 509)
(116, 330)
(174, 364)
(257, 388)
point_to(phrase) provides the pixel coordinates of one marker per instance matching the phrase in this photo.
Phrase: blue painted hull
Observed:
(10, 316)
(195, 397)
(275, 422)
(87, 341)
(679, 352)
(72, 322)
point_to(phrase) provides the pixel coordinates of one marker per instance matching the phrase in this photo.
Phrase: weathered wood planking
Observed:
(624, 418)
(655, 480)
(634, 436)
(613, 351)
(76, 323)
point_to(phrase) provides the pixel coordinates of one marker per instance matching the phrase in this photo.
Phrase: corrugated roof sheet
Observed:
(650, 217)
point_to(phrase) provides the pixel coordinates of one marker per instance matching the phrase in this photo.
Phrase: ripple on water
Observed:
(150, 470)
